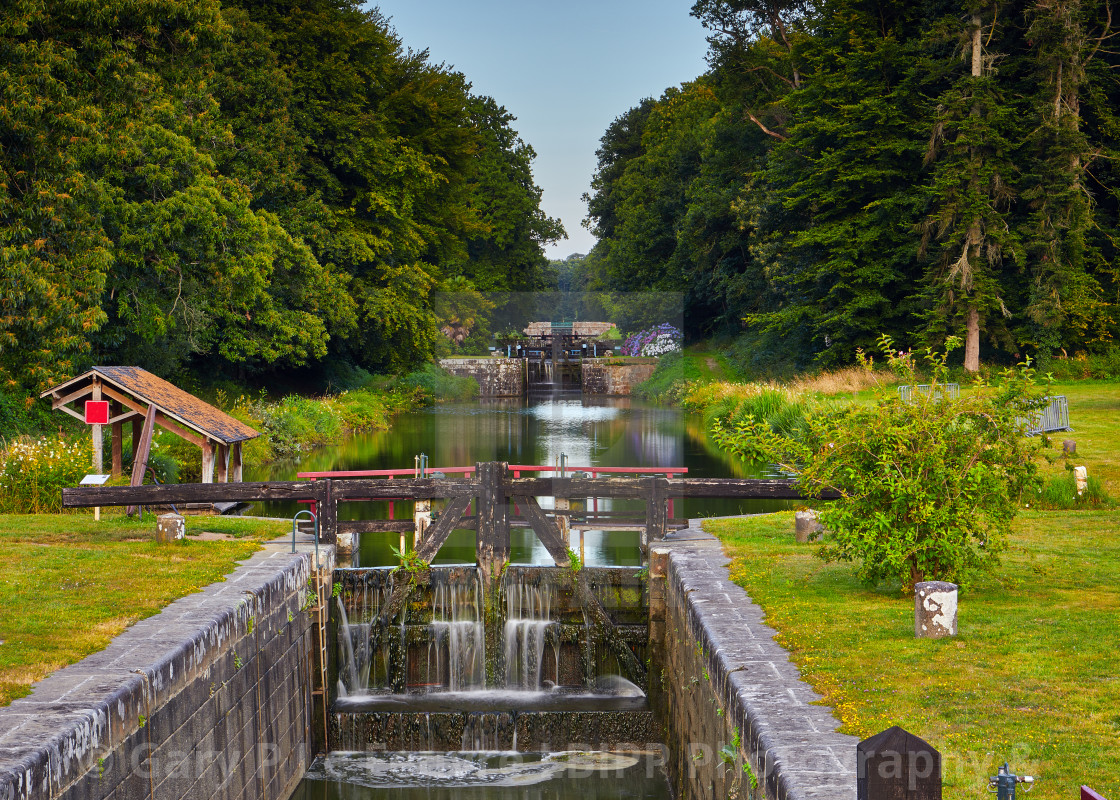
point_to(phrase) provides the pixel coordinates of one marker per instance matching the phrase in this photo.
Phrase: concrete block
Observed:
(170, 528)
(935, 609)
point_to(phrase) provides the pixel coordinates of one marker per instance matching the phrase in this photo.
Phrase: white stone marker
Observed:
(1081, 476)
(807, 527)
(170, 528)
(935, 609)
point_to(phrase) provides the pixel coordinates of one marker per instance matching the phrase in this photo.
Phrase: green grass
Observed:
(676, 370)
(1094, 415)
(1033, 677)
(68, 585)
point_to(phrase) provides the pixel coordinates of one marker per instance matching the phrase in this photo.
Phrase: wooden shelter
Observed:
(137, 396)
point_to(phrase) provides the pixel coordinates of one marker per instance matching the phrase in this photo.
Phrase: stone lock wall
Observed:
(728, 695)
(611, 376)
(210, 698)
(496, 377)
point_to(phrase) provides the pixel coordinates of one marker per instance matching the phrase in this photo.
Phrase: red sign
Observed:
(97, 412)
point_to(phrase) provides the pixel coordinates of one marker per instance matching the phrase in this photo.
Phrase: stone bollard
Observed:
(170, 528)
(807, 527)
(935, 609)
(1069, 447)
(1081, 477)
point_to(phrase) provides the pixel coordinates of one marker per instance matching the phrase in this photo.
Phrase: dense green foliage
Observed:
(243, 187)
(846, 167)
(927, 488)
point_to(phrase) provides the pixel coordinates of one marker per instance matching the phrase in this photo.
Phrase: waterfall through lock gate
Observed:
(457, 666)
(526, 633)
(457, 646)
(359, 651)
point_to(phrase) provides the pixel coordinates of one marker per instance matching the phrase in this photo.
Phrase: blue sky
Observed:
(564, 68)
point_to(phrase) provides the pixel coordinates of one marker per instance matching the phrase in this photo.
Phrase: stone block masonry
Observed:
(729, 695)
(615, 377)
(208, 699)
(496, 377)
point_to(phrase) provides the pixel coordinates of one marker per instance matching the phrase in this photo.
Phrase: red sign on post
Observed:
(97, 412)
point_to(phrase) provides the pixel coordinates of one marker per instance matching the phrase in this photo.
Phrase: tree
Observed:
(508, 253)
(1063, 297)
(54, 256)
(971, 195)
(835, 205)
(928, 489)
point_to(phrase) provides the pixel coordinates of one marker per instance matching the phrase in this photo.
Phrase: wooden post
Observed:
(328, 512)
(118, 440)
(141, 447)
(208, 461)
(421, 519)
(235, 467)
(95, 430)
(222, 475)
(896, 764)
(655, 512)
(493, 520)
(137, 435)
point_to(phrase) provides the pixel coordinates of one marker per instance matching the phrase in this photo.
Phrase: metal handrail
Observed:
(295, 525)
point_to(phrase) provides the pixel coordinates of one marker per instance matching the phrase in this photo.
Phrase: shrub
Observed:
(655, 341)
(34, 471)
(361, 410)
(439, 384)
(927, 489)
(1100, 366)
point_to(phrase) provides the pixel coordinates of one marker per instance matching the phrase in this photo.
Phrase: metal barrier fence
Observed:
(950, 390)
(1054, 417)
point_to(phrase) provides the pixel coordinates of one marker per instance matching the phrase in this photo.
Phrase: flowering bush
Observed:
(33, 472)
(656, 341)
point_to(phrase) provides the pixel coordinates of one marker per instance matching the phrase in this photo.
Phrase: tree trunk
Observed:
(972, 341)
(972, 325)
(977, 49)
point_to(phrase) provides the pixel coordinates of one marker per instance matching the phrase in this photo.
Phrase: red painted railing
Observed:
(516, 469)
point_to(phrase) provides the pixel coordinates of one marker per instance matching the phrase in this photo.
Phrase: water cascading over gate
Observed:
(459, 670)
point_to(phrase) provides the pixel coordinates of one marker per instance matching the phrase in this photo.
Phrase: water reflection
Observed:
(591, 431)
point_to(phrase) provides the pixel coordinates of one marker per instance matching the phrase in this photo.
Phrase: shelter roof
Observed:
(169, 399)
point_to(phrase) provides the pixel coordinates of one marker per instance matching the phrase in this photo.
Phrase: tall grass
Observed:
(33, 472)
(1060, 494)
(841, 381)
(727, 404)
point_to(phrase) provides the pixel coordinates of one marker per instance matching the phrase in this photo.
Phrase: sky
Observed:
(565, 68)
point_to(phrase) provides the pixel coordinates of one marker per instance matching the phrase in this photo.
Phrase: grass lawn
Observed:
(1094, 415)
(68, 585)
(1033, 677)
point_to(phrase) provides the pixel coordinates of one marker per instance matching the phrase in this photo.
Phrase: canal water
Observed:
(485, 776)
(536, 430)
